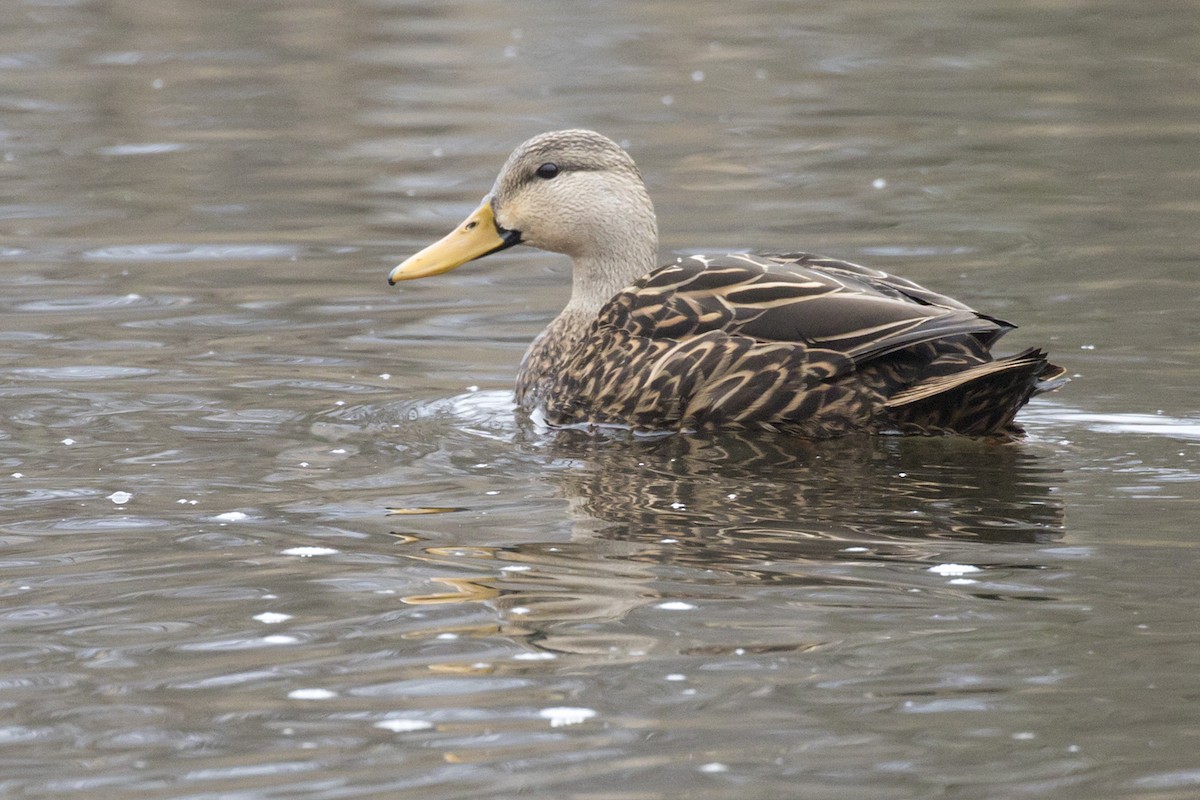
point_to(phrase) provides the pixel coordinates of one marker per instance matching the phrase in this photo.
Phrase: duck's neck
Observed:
(597, 276)
(617, 256)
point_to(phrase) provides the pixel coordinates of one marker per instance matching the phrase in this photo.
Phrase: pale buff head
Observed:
(574, 192)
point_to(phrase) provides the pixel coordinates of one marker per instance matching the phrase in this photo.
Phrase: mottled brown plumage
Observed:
(794, 343)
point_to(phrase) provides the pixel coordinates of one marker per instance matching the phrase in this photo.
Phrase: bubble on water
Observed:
(309, 552)
(404, 725)
(676, 605)
(561, 716)
(954, 569)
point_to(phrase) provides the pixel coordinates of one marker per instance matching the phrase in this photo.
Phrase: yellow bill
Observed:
(476, 237)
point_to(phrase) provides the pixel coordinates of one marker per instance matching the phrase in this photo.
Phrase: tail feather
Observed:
(978, 401)
(1050, 378)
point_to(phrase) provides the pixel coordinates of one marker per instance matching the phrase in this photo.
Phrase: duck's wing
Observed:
(822, 303)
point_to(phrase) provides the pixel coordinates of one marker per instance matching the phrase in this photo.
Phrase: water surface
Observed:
(271, 529)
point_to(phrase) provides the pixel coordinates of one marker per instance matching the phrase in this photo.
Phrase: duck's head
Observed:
(573, 192)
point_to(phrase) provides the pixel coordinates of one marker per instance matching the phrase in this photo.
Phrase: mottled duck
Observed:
(792, 342)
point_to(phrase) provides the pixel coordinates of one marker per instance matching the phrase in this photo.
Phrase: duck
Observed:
(790, 343)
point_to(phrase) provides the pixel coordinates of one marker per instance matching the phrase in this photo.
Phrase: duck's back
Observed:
(793, 342)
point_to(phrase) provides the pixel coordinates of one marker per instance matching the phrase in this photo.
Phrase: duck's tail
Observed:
(978, 401)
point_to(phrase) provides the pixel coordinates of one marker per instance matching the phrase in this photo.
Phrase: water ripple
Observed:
(13, 734)
(488, 412)
(1149, 424)
(287, 359)
(100, 303)
(43, 613)
(134, 632)
(311, 384)
(241, 322)
(192, 252)
(37, 680)
(79, 373)
(144, 148)
(45, 494)
(121, 523)
(435, 687)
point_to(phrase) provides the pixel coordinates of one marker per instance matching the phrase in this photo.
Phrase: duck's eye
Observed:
(547, 171)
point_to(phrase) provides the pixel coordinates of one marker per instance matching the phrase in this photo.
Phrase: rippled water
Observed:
(271, 529)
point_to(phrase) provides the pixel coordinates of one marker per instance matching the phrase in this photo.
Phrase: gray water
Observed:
(269, 528)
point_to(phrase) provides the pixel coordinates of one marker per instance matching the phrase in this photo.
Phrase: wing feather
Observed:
(819, 302)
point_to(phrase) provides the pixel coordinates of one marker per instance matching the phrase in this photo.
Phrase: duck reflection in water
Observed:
(750, 512)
